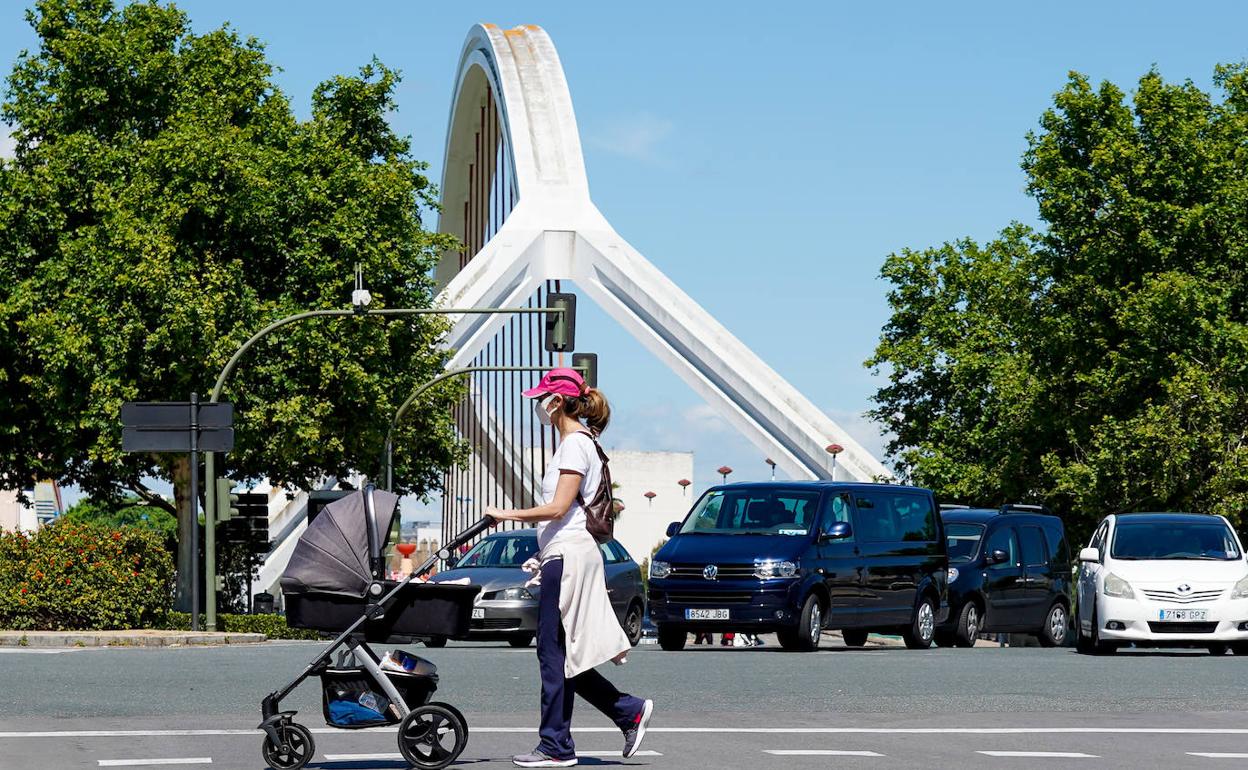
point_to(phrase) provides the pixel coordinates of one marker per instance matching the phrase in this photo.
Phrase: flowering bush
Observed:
(272, 626)
(71, 576)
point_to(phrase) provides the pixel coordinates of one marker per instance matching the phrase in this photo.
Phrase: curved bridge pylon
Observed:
(515, 192)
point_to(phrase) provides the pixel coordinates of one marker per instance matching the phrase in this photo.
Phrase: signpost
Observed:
(181, 426)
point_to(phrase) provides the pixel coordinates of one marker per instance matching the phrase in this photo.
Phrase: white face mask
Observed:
(539, 408)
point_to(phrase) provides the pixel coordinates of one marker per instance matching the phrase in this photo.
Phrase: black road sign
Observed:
(165, 426)
(319, 498)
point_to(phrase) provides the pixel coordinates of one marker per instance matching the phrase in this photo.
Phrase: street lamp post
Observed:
(723, 472)
(772, 463)
(834, 450)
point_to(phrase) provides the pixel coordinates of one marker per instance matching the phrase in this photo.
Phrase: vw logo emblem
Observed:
(1185, 588)
(710, 571)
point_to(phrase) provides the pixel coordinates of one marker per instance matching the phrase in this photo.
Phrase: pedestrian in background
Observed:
(576, 626)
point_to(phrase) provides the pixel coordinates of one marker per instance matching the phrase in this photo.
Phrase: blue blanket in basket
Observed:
(346, 712)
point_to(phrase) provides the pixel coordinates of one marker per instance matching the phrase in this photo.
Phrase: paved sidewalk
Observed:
(139, 638)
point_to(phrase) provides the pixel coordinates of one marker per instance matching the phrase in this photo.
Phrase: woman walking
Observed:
(576, 627)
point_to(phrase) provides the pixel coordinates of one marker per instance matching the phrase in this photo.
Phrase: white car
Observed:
(1163, 580)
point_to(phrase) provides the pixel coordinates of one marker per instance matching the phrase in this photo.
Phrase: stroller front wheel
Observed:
(432, 736)
(295, 751)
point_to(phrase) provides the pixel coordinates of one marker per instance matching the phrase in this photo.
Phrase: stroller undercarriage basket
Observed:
(351, 685)
(419, 609)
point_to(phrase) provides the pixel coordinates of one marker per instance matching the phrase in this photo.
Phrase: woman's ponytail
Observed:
(592, 408)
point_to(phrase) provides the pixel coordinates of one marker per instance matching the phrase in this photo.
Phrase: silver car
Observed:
(505, 609)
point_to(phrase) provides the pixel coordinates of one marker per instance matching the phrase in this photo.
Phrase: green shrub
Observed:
(73, 576)
(272, 626)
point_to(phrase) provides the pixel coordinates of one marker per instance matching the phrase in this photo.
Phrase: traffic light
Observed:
(319, 498)
(587, 365)
(560, 327)
(227, 507)
(253, 505)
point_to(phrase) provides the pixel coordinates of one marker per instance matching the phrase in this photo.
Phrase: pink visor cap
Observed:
(565, 382)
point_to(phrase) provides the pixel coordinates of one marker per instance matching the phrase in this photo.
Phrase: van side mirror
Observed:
(998, 557)
(1090, 554)
(673, 529)
(838, 531)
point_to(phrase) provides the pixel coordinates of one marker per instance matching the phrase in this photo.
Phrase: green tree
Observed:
(1100, 363)
(129, 511)
(163, 205)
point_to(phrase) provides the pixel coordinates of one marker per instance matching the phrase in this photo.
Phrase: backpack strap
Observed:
(580, 499)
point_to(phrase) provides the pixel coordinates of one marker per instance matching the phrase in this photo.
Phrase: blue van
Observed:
(798, 557)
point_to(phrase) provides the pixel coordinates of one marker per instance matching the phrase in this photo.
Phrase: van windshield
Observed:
(754, 512)
(963, 541)
(1209, 540)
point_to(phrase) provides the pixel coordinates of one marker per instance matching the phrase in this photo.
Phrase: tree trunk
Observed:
(182, 501)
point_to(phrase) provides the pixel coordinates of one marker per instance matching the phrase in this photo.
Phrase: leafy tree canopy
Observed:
(163, 205)
(1101, 363)
(130, 511)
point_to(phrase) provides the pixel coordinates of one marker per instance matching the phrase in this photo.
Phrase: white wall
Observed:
(642, 524)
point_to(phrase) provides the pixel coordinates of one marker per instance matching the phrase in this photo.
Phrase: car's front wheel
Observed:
(1056, 623)
(523, 639)
(435, 641)
(970, 622)
(672, 639)
(1091, 644)
(632, 623)
(922, 626)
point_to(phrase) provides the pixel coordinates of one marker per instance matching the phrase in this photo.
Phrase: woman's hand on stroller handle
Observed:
(493, 515)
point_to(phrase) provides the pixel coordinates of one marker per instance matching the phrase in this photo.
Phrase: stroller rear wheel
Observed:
(295, 751)
(432, 736)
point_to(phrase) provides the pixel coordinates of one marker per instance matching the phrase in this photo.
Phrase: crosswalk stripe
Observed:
(1218, 754)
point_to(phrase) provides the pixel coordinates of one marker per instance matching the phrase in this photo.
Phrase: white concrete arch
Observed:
(555, 232)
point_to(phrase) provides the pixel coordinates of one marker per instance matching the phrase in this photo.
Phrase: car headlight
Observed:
(1117, 587)
(774, 569)
(1240, 591)
(513, 594)
(660, 569)
(953, 574)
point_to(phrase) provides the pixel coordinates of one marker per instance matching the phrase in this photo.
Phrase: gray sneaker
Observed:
(634, 735)
(539, 758)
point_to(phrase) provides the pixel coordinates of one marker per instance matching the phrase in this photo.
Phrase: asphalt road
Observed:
(716, 707)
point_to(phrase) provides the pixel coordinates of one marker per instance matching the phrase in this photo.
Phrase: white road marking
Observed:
(42, 650)
(820, 753)
(596, 753)
(748, 730)
(1040, 754)
(1217, 755)
(143, 762)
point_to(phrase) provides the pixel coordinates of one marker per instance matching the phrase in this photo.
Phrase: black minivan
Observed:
(1009, 571)
(799, 557)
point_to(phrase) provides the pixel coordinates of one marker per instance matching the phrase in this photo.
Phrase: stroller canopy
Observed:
(332, 555)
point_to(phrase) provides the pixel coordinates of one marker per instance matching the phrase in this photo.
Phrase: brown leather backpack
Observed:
(600, 511)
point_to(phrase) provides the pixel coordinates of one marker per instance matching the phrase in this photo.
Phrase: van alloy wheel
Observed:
(922, 627)
(816, 625)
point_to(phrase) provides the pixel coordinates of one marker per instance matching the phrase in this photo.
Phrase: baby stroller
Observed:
(335, 582)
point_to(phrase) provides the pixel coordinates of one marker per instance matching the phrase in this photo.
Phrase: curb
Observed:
(42, 639)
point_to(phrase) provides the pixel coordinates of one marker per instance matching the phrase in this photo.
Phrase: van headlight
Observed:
(1240, 591)
(1117, 587)
(774, 569)
(660, 569)
(953, 574)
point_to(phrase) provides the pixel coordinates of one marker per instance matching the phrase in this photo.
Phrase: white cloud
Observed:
(8, 144)
(636, 136)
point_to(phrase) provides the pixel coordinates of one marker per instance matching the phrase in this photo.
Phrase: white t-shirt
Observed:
(575, 453)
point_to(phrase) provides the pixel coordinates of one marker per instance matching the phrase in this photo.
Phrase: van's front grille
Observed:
(1182, 628)
(1174, 597)
(708, 597)
(723, 571)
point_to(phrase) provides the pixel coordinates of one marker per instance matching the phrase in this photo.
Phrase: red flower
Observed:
(66, 581)
(23, 590)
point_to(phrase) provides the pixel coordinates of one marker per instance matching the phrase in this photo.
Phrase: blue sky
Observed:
(766, 157)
